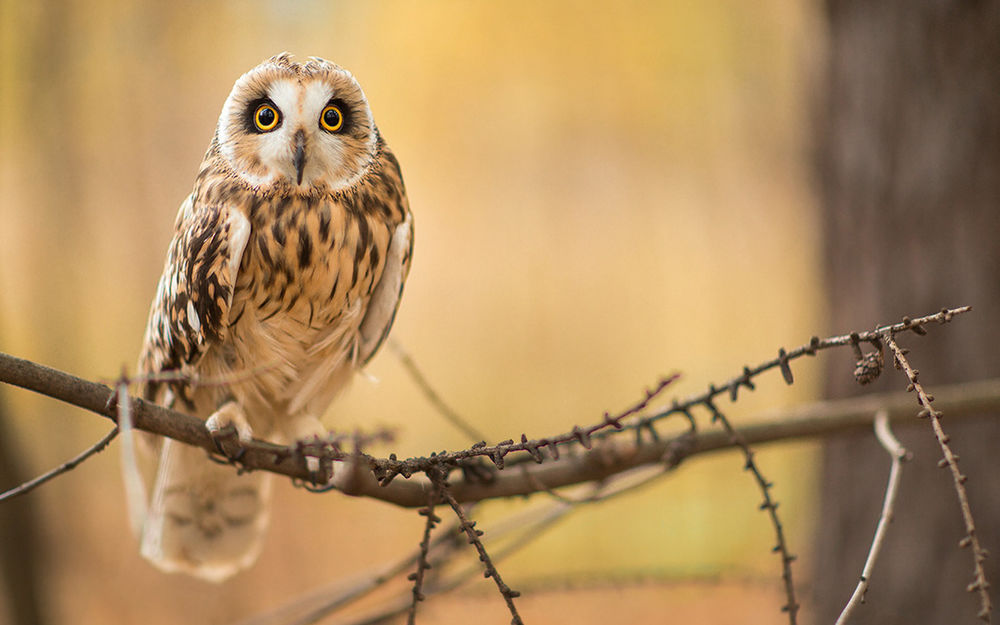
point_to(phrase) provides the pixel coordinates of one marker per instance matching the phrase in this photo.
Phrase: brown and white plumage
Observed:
(283, 277)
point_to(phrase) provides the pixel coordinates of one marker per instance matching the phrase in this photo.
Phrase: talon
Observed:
(226, 423)
(221, 435)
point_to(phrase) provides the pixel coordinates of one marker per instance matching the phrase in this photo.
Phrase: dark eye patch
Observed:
(345, 112)
(250, 117)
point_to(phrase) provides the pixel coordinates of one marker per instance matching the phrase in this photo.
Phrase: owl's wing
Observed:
(191, 308)
(385, 299)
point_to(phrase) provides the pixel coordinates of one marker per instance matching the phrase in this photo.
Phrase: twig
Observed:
(898, 455)
(425, 544)
(532, 529)
(490, 569)
(532, 525)
(69, 465)
(950, 460)
(791, 605)
(815, 344)
(318, 604)
(432, 395)
(386, 470)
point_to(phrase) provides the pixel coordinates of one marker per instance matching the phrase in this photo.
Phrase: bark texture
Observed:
(908, 158)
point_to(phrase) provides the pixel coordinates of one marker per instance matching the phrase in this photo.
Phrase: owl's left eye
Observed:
(331, 119)
(265, 118)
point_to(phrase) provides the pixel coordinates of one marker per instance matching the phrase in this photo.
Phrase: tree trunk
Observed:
(22, 557)
(908, 154)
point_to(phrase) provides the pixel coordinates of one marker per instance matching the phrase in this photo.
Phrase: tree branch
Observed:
(820, 419)
(97, 398)
(590, 454)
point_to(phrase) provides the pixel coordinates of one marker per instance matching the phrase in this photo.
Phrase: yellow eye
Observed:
(265, 117)
(331, 119)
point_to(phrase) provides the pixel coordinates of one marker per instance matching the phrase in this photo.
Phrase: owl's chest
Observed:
(310, 262)
(303, 287)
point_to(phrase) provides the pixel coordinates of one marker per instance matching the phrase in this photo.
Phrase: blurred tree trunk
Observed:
(21, 557)
(908, 153)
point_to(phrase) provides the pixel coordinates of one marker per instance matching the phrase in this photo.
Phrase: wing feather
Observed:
(191, 309)
(384, 301)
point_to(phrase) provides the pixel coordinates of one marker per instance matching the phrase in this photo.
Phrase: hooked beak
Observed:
(299, 160)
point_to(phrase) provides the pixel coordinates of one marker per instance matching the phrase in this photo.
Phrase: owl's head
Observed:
(306, 125)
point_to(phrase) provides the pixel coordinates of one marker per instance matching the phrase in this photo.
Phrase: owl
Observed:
(282, 280)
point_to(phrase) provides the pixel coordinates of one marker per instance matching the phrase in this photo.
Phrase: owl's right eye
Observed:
(266, 117)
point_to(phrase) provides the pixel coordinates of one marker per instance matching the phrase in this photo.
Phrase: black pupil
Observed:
(265, 116)
(331, 117)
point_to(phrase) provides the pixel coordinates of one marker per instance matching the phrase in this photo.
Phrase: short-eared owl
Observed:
(283, 278)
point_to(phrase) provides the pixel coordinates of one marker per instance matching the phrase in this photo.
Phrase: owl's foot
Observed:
(227, 423)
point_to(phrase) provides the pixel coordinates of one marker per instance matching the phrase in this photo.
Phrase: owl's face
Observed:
(306, 125)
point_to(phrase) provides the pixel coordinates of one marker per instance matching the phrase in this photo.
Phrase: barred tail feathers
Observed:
(204, 519)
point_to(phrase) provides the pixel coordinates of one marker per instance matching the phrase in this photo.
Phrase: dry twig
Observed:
(69, 465)
(531, 526)
(791, 605)
(979, 584)
(425, 544)
(898, 455)
(490, 569)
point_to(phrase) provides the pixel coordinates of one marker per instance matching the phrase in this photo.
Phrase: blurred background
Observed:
(603, 194)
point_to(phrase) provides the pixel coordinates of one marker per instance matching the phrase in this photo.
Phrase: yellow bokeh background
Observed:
(603, 193)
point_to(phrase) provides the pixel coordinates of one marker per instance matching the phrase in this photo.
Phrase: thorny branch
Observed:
(490, 569)
(970, 399)
(898, 455)
(791, 606)
(374, 477)
(290, 461)
(950, 460)
(425, 544)
(69, 465)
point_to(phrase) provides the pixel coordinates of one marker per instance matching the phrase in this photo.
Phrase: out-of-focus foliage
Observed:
(603, 193)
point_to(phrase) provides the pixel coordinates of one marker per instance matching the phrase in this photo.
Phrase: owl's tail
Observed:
(204, 518)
